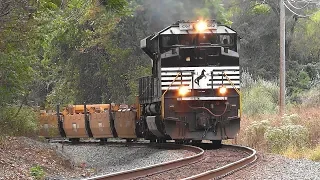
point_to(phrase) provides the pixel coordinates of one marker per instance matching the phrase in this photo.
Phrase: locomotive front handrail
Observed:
(236, 89)
(162, 97)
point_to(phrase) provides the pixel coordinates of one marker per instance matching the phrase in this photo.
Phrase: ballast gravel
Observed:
(104, 159)
(212, 159)
(274, 167)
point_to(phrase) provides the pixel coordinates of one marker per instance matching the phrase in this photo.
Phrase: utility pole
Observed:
(282, 57)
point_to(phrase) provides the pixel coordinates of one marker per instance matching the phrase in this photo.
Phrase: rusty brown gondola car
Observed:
(99, 121)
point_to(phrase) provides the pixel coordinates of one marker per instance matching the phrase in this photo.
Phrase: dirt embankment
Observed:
(24, 158)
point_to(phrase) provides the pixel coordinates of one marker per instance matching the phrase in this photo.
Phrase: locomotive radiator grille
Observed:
(203, 77)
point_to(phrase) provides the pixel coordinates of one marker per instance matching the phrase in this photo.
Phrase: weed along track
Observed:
(205, 164)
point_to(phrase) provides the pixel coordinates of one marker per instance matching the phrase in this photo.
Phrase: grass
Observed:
(37, 172)
(294, 135)
(294, 153)
(315, 154)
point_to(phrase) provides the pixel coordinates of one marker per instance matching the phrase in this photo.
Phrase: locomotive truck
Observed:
(193, 93)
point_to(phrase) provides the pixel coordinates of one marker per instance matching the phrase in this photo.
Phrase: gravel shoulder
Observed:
(274, 167)
(19, 154)
(114, 158)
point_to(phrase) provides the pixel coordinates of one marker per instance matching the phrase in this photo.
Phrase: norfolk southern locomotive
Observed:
(192, 94)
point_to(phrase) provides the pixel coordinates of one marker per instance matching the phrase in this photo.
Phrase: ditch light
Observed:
(183, 90)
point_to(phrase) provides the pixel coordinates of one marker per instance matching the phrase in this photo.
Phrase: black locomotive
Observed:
(194, 91)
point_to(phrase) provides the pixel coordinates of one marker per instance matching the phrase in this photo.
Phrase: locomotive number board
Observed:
(191, 26)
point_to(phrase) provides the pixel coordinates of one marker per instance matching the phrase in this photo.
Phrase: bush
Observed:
(279, 139)
(37, 172)
(254, 133)
(290, 119)
(17, 122)
(311, 98)
(260, 98)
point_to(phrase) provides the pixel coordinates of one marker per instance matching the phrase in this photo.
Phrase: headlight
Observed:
(201, 26)
(183, 90)
(222, 90)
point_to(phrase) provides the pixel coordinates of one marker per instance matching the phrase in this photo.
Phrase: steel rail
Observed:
(229, 168)
(157, 168)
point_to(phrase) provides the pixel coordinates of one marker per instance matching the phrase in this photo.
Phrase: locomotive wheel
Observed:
(196, 141)
(182, 141)
(161, 141)
(186, 141)
(103, 141)
(75, 140)
(216, 143)
(129, 140)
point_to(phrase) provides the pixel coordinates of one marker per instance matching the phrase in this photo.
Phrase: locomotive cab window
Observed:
(172, 40)
(201, 49)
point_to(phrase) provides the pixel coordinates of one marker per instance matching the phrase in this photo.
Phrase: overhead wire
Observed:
(299, 8)
(299, 15)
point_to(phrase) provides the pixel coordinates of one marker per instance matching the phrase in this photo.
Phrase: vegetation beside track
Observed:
(295, 135)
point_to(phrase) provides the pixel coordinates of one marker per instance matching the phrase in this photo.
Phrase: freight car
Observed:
(192, 94)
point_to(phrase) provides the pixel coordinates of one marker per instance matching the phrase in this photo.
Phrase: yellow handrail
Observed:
(162, 96)
(237, 90)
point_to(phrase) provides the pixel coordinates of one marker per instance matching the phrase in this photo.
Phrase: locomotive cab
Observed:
(194, 90)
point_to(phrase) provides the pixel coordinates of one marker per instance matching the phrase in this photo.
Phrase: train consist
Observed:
(192, 94)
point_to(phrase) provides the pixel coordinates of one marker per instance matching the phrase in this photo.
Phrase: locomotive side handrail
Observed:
(235, 88)
(162, 97)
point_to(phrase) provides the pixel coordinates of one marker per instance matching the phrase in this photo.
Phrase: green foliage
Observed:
(18, 121)
(260, 98)
(283, 137)
(37, 172)
(220, 15)
(74, 41)
(261, 8)
(49, 4)
(116, 5)
(300, 84)
(15, 76)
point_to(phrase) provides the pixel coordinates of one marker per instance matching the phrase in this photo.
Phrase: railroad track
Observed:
(171, 165)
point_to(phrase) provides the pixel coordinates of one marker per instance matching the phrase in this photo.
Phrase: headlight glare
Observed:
(201, 26)
(222, 90)
(183, 90)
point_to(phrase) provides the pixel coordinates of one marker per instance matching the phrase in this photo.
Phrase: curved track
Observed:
(214, 173)
(229, 168)
(140, 172)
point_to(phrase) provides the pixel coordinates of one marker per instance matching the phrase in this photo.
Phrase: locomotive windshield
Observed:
(173, 40)
(196, 50)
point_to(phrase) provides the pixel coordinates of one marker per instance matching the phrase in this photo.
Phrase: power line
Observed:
(307, 3)
(299, 15)
(298, 8)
